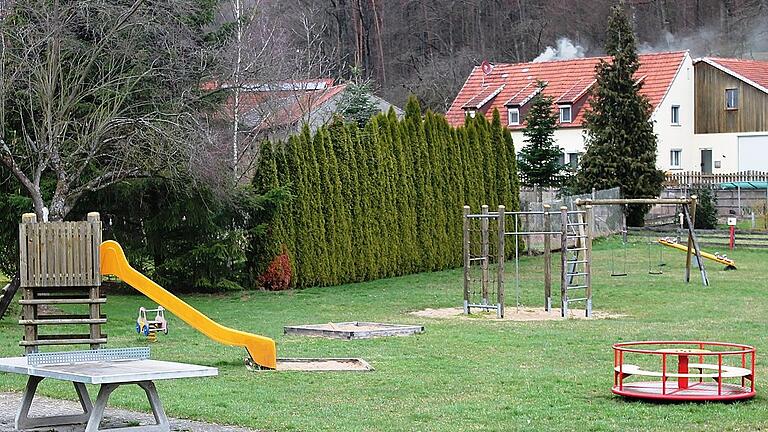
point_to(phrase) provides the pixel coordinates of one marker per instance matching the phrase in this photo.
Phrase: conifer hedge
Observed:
(384, 200)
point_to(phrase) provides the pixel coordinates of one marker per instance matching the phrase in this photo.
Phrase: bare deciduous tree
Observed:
(93, 93)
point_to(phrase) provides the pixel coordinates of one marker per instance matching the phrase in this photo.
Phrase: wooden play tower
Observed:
(60, 281)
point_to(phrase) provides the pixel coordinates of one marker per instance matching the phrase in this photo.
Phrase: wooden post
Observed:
(547, 259)
(28, 311)
(696, 249)
(466, 259)
(484, 239)
(590, 213)
(564, 261)
(94, 294)
(692, 214)
(500, 264)
(694, 200)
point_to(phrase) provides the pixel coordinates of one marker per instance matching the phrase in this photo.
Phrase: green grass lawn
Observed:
(460, 375)
(745, 224)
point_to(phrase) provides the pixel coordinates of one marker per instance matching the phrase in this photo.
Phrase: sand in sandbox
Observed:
(513, 314)
(319, 365)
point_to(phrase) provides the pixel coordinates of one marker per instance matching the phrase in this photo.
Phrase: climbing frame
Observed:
(59, 268)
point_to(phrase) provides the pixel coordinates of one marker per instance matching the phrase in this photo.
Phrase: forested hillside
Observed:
(427, 47)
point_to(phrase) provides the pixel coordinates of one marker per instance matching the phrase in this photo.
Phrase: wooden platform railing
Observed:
(59, 265)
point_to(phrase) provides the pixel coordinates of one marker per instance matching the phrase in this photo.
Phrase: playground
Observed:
(476, 373)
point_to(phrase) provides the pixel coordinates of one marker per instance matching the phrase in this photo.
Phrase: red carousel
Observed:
(685, 370)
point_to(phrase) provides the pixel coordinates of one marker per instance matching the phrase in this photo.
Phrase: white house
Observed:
(667, 80)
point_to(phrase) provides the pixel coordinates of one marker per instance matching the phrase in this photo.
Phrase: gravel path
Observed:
(9, 403)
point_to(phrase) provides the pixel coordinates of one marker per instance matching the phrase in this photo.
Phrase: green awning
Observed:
(744, 185)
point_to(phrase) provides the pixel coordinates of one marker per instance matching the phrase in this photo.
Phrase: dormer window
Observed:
(471, 113)
(565, 113)
(513, 115)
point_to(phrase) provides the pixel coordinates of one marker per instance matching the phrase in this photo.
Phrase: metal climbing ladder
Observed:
(576, 242)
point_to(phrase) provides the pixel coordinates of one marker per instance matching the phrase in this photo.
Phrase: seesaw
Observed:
(722, 259)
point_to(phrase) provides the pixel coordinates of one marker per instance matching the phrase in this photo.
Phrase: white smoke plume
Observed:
(565, 50)
(751, 41)
(704, 42)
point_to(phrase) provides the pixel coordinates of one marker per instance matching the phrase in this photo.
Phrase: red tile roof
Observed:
(567, 81)
(753, 72)
(266, 106)
(300, 105)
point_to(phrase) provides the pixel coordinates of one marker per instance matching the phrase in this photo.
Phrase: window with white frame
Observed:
(565, 114)
(471, 113)
(674, 158)
(732, 98)
(513, 116)
(675, 115)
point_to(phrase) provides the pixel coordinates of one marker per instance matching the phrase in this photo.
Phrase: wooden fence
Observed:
(60, 254)
(692, 178)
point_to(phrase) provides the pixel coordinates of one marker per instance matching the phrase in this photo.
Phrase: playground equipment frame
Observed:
(689, 213)
(568, 267)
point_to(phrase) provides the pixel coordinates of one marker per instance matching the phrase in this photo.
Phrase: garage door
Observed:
(753, 153)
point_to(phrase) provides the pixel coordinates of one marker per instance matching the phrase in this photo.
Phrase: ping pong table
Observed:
(108, 368)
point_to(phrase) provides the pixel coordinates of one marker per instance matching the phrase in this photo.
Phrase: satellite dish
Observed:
(487, 67)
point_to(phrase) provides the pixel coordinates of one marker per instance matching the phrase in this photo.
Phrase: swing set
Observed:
(688, 206)
(649, 241)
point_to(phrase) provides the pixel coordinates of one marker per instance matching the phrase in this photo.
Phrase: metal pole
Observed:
(547, 259)
(500, 266)
(564, 261)
(466, 260)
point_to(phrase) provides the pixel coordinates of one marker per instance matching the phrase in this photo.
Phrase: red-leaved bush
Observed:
(278, 275)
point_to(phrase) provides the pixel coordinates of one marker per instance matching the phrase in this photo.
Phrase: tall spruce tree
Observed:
(539, 160)
(620, 142)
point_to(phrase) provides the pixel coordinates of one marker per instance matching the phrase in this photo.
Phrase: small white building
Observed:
(665, 78)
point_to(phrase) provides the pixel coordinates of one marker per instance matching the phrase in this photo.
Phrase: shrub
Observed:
(706, 209)
(277, 277)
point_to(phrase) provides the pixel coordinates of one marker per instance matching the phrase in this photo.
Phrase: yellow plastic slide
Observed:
(113, 262)
(729, 263)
